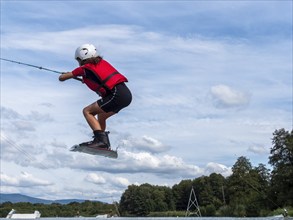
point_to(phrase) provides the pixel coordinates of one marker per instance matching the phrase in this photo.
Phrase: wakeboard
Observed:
(106, 152)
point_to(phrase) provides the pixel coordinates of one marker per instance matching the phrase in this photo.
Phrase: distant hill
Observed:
(15, 198)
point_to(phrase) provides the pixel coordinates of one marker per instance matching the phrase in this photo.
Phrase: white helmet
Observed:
(86, 51)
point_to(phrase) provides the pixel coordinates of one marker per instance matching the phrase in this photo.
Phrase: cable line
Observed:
(35, 66)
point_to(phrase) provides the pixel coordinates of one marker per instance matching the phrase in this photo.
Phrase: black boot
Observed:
(101, 140)
(106, 139)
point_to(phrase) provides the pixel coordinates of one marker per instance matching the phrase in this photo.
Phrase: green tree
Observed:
(281, 159)
(236, 184)
(203, 190)
(210, 210)
(181, 193)
(247, 188)
(87, 208)
(143, 199)
(217, 183)
(169, 198)
(262, 185)
(238, 190)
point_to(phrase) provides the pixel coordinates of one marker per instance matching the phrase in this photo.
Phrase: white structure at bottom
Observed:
(12, 214)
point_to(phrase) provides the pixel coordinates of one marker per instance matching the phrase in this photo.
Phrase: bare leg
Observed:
(91, 111)
(102, 119)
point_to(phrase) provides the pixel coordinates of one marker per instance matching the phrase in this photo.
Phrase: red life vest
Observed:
(101, 77)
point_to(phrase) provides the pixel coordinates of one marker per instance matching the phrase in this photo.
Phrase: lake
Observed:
(168, 218)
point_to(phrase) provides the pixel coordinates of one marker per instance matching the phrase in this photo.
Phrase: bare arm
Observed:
(65, 76)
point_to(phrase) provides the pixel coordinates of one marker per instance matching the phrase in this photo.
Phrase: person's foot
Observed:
(95, 144)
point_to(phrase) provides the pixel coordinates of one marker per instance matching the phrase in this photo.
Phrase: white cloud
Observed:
(227, 97)
(7, 180)
(120, 182)
(95, 178)
(23, 126)
(161, 165)
(213, 167)
(145, 143)
(258, 149)
(24, 180)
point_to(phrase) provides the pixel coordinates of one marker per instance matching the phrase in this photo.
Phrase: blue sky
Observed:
(211, 81)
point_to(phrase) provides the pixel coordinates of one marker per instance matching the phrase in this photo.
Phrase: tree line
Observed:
(73, 209)
(248, 191)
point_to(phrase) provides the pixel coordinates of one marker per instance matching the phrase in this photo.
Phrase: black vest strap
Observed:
(107, 78)
(95, 78)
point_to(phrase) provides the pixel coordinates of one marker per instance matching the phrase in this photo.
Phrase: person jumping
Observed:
(101, 77)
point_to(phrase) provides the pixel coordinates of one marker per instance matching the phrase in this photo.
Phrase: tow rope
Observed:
(38, 67)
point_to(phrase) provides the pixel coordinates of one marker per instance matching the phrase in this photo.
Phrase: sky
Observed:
(211, 81)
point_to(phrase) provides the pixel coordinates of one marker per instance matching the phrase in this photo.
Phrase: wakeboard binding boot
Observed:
(101, 140)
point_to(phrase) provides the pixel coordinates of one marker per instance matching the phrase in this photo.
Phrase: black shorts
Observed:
(118, 98)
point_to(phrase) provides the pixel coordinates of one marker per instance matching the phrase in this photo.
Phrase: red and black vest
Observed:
(101, 77)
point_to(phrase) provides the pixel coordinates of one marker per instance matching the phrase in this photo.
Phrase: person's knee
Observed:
(85, 112)
(91, 110)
